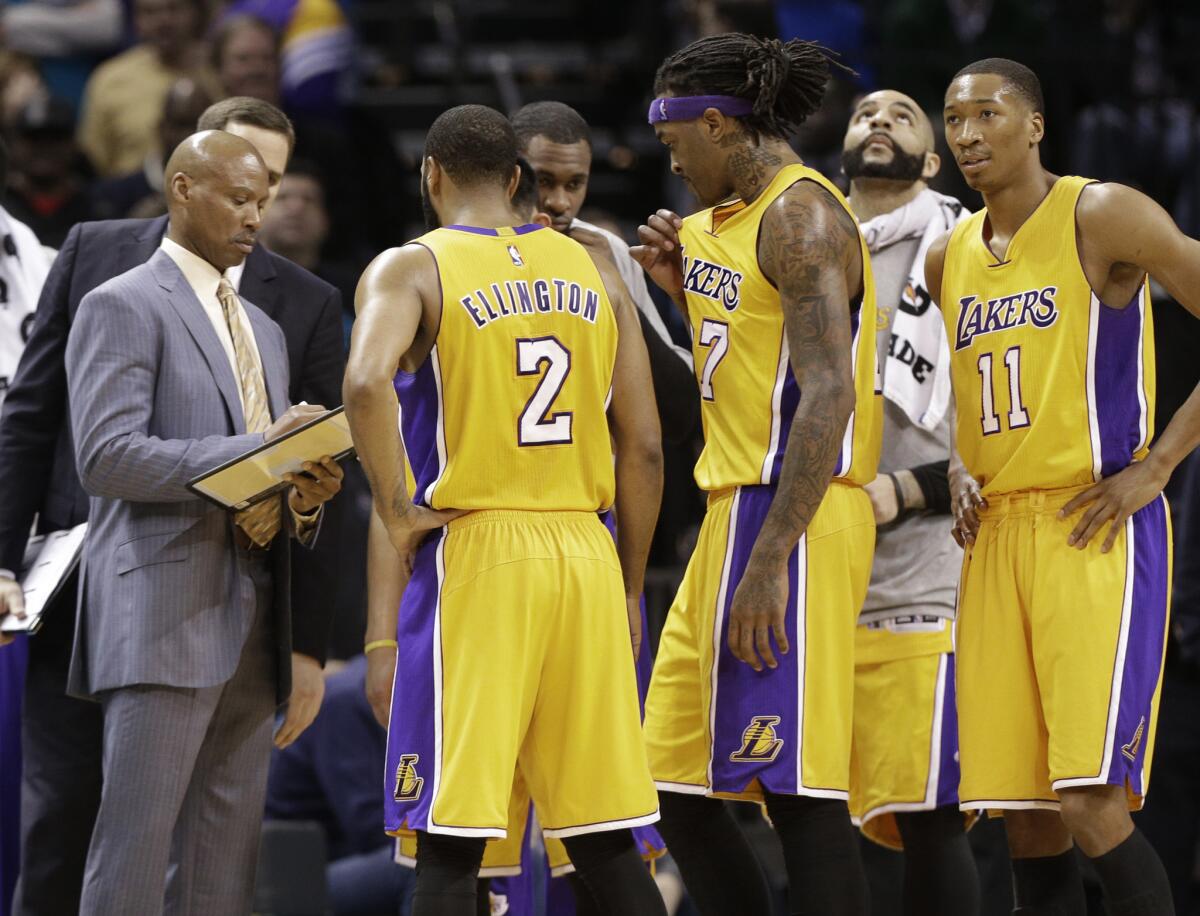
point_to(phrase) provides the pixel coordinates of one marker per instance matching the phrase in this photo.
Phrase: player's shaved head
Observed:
(889, 138)
(216, 186)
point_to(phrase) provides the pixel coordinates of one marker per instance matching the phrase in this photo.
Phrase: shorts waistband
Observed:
(1029, 502)
(520, 517)
(717, 496)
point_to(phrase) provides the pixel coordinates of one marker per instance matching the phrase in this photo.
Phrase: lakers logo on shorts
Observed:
(1131, 749)
(408, 783)
(759, 743)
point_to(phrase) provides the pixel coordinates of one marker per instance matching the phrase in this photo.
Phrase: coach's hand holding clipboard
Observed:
(300, 450)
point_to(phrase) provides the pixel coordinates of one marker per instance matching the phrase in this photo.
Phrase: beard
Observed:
(432, 221)
(902, 167)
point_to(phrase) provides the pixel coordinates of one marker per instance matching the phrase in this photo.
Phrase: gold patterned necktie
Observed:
(260, 522)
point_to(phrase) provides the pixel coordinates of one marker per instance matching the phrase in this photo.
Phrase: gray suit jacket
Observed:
(164, 598)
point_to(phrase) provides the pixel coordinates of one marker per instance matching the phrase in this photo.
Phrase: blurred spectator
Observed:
(60, 28)
(316, 53)
(20, 84)
(246, 57)
(140, 193)
(67, 37)
(46, 182)
(123, 100)
(297, 226)
(330, 775)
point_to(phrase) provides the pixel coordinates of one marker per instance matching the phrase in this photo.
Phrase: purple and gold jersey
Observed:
(509, 409)
(1053, 387)
(747, 390)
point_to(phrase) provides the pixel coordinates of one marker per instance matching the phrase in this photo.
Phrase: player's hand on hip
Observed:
(1113, 499)
(407, 528)
(759, 609)
(965, 502)
(381, 673)
(633, 608)
(294, 416)
(308, 690)
(659, 253)
(882, 493)
(12, 601)
(315, 485)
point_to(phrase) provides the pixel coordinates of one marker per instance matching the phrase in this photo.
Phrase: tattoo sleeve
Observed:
(808, 247)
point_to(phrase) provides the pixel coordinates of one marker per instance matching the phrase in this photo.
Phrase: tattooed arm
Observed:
(808, 246)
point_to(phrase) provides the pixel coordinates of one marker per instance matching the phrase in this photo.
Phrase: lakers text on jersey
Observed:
(1059, 649)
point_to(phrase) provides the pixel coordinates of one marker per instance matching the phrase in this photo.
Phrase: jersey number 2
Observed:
(1018, 416)
(537, 425)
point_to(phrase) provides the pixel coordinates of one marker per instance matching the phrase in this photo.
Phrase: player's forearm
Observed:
(371, 411)
(386, 578)
(639, 473)
(1179, 439)
(808, 464)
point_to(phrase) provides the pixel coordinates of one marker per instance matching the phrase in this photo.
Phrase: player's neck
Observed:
(870, 197)
(1010, 206)
(483, 214)
(754, 166)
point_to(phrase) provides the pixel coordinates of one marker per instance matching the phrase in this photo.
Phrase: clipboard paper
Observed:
(258, 474)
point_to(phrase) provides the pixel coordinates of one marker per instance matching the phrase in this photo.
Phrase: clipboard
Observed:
(258, 474)
(48, 562)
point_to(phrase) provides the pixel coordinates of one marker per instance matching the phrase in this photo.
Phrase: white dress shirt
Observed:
(203, 278)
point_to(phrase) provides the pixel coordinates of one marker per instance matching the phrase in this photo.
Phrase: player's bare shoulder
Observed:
(411, 265)
(935, 263)
(805, 231)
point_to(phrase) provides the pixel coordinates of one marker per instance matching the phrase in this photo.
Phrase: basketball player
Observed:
(504, 348)
(904, 766)
(1064, 590)
(506, 872)
(752, 692)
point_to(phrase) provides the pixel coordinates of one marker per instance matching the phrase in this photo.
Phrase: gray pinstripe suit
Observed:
(174, 632)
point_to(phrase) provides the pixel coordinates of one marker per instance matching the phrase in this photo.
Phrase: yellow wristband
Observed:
(380, 644)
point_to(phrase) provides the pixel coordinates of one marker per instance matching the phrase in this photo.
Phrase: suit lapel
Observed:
(188, 307)
(259, 281)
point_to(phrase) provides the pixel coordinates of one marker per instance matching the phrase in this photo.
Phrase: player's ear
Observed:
(933, 163)
(1038, 125)
(542, 219)
(514, 181)
(432, 172)
(714, 125)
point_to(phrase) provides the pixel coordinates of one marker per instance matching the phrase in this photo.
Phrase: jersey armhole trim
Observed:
(1079, 256)
(441, 306)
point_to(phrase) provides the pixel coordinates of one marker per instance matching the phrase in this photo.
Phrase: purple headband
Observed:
(690, 107)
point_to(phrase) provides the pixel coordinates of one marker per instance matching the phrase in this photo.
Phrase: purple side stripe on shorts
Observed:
(756, 733)
(412, 739)
(949, 773)
(1144, 646)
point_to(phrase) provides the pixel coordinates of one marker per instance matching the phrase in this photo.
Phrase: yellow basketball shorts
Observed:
(1060, 653)
(713, 725)
(905, 751)
(515, 655)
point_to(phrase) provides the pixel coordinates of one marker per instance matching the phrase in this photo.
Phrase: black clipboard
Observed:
(256, 475)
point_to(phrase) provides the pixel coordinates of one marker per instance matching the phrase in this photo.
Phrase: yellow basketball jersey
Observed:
(508, 410)
(1053, 387)
(748, 393)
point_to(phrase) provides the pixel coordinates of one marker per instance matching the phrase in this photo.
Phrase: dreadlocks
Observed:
(785, 81)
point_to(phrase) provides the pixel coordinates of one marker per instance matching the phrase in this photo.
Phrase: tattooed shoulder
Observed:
(805, 233)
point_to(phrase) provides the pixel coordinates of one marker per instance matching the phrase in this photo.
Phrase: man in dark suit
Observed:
(62, 735)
